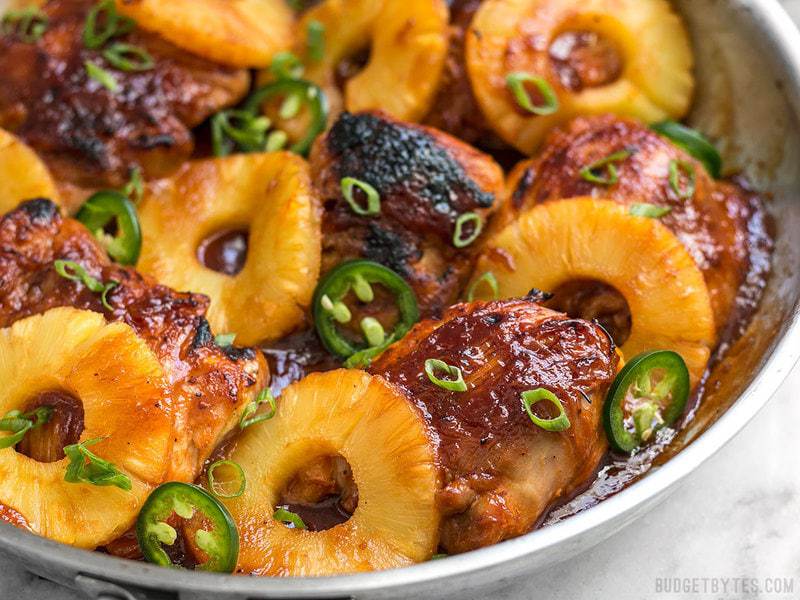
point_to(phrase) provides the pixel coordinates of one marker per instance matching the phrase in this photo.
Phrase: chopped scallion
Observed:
(459, 239)
(220, 486)
(373, 206)
(516, 83)
(455, 383)
(531, 397)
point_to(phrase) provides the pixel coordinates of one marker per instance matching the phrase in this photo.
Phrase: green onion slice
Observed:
(593, 172)
(693, 142)
(373, 206)
(134, 189)
(87, 467)
(459, 239)
(238, 129)
(455, 381)
(103, 23)
(18, 424)
(223, 340)
(74, 272)
(249, 416)
(101, 76)
(288, 517)
(315, 34)
(516, 83)
(220, 487)
(127, 57)
(680, 169)
(488, 279)
(28, 24)
(531, 397)
(106, 207)
(651, 211)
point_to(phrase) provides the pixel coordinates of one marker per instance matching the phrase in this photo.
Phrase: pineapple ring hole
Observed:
(585, 59)
(46, 443)
(594, 300)
(350, 66)
(224, 251)
(323, 492)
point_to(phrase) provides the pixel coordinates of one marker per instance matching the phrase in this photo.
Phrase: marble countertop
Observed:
(729, 532)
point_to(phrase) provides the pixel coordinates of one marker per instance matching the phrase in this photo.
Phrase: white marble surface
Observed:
(735, 522)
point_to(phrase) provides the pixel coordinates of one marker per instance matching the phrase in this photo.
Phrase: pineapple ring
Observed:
(655, 82)
(270, 193)
(583, 238)
(408, 39)
(237, 33)
(385, 440)
(119, 382)
(23, 176)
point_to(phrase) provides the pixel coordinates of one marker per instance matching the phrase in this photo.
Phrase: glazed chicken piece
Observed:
(499, 470)
(210, 384)
(90, 135)
(426, 180)
(455, 109)
(721, 224)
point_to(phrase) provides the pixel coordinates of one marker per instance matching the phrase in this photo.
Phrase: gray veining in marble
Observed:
(731, 531)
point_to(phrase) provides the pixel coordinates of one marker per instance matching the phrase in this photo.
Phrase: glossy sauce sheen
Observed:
(89, 135)
(584, 59)
(224, 252)
(208, 383)
(425, 180)
(722, 225)
(46, 443)
(487, 445)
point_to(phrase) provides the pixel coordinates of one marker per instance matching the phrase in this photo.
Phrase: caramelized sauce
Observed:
(585, 59)
(320, 516)
(46, 443)
(594, 301)
(224, 251)
(351, 66)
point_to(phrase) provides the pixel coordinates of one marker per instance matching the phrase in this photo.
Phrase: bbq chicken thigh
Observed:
(717, 221)
(210, 385)
(434, 195)
(92, 130)
(500, 471)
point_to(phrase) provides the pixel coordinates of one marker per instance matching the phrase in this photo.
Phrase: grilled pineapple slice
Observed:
(22, 175)
(586, 239)
(627, 57)
(120, 384)
(238, 33)
(407, 40)
(385, 441)
(268, 194)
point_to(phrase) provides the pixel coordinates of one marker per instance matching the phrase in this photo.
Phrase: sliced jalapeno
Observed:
(649, 393)
(693, 142)
(329, 308)
(218, 539)
(103, 208)
(308, 93)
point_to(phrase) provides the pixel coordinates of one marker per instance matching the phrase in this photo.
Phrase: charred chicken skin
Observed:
(426, 181)
(90, 135)
(719, 223)
(210, 384)
(500, 471)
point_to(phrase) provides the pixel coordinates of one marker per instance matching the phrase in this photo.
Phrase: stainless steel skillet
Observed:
(748, 54)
